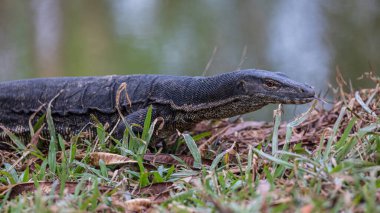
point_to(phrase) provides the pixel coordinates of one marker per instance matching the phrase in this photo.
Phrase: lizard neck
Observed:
(198, 93)
(229, 108)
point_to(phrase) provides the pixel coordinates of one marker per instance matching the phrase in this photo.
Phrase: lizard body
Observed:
(181, 101)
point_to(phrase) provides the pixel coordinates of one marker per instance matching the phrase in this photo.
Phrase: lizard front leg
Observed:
(136, 120)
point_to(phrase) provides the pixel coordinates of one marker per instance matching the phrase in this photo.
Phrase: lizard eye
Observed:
(271, 84)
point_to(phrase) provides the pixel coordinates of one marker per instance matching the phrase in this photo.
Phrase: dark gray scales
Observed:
(181, 101)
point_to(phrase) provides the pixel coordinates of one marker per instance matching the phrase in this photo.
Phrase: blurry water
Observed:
(48, 26)
(297, 44)
(134, 18)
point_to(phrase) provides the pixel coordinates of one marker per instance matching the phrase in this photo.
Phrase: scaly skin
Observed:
(181, 101)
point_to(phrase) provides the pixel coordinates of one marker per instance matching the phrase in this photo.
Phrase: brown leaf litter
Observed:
(318, 125)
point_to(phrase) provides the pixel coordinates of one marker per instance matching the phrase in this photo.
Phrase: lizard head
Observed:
(274, 87)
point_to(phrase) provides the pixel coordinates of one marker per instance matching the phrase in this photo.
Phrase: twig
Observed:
(210, 61)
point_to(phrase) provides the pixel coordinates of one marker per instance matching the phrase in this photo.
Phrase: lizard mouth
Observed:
(299, 100)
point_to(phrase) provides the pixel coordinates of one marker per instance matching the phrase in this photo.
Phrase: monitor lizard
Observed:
(181, 101)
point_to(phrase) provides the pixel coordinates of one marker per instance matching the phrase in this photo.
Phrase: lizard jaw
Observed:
(298, 100)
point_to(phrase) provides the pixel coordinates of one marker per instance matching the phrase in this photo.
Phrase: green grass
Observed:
(341, 173)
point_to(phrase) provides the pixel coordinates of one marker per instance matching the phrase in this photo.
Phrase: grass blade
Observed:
(20, 145)
(193, 150)
(248, 173)
(297, 121)
(346, 132)
(280, 161)
(368, 128)
(217, 159)
(182, 162)
(335, 130)
(53, 138)
(277, 122)
(147, 121)
(361, 102)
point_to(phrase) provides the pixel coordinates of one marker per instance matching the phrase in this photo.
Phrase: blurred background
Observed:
(307, 40)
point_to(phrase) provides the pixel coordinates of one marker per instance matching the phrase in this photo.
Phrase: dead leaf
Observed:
(307, 208)
(263, 187)
(36, 136)
(135, 205)
(154, 189)
(168, 159)
(109, 159)
(45, 187)
(242, 126)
